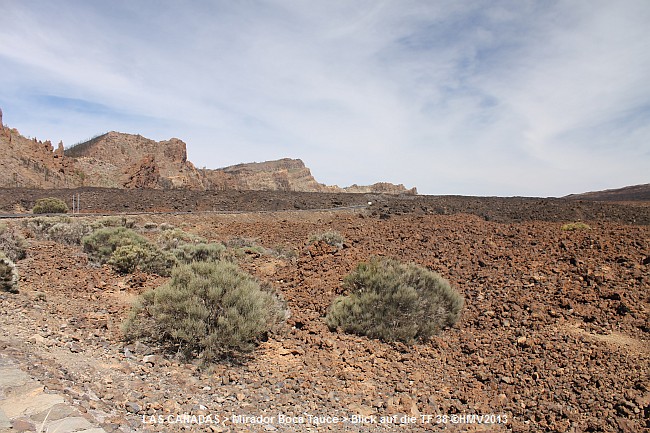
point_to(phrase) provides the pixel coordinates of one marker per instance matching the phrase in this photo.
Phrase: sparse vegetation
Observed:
(202, 252)
(208, 309)
(240, 247)
(126, 250)
(12, 243)
(172, 238)
(8, 275)
(146, 257)
(330, 237)
(50, 205)
(60, 229)
(113, 221)
(575, 226)
(102, 243)
(392, 301)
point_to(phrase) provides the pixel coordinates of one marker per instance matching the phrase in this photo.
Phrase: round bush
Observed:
(201, 252)
(146, 257)
(392, 301)
(50, 205)
(103, 242)
(207, 309)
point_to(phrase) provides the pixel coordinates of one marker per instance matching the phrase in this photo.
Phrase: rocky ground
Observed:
(554, 335)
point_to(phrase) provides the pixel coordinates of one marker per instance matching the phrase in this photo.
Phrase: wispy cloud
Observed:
(510, 98)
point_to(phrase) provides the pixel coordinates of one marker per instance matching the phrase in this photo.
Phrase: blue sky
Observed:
(455, 97)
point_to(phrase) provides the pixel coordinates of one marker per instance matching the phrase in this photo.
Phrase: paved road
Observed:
(26, 406)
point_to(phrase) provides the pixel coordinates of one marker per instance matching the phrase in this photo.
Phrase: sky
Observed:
(486, 98)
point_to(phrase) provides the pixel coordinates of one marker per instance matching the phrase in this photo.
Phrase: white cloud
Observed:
(518, 98)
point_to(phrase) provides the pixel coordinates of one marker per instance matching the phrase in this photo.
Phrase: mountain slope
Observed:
(628, 193)
(119, 160)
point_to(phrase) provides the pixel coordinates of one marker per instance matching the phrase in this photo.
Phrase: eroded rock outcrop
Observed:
(119, 160)
(33, 163)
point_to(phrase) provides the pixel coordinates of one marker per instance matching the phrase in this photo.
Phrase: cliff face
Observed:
(32, 163)
(281, 175)
(117, 160)
(120, 160)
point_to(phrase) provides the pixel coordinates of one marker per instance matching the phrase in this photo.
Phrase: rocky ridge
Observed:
(129, 161)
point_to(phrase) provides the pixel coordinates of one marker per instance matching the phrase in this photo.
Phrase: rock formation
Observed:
(118, 160)
(33, 163)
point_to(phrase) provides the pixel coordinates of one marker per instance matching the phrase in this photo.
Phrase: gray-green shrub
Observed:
(330, 237)
(172, 238)
(146, 257)
(61, 229)
(12, 243)
(113, 221)
(208, 309)
(50, 205)
(201, 252)
(8, 275)
(126, 250)
(392, 301)
(101, 244)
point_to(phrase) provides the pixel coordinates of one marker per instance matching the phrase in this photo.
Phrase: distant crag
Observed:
(128, 161)
(118, 160)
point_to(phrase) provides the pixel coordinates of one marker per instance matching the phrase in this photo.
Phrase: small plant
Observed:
(575, 226)
(284, 251)
(392, 301)
(8, 275)
(113, 221)
(50, 205)
(331, 237)
(188, 253)
(12, 243)
(172, 238)
(207, 309)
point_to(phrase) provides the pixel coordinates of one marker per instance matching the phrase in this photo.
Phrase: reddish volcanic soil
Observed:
(554, 335)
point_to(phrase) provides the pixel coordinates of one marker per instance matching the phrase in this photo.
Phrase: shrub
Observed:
(188, 253)
(113, 221)
(50, 205)
(166, 226)
(170, 239)
(68, 233)
(207, 309)
(146, 257)
(12, 243)
(332, 238)
(102, 243)
(8, 275)
(59, 229)
(392, 301)
(575, 226)
(126, 250)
